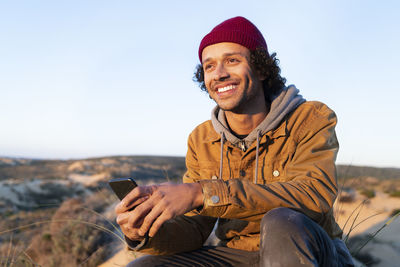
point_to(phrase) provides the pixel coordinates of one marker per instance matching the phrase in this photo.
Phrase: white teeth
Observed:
(226, 88)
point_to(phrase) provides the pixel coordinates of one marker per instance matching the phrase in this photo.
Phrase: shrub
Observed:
(46, 236)
(394, 194)
(347, 195)
(369, 193)
(73, 237)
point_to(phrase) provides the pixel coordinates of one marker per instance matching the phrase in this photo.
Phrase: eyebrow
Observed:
(224, 55)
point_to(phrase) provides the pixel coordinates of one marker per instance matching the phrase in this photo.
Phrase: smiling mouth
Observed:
(226, 88)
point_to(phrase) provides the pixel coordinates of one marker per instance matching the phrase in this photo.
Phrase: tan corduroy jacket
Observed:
(296, 169)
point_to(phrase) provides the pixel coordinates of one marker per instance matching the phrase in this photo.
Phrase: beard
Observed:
(242, 104)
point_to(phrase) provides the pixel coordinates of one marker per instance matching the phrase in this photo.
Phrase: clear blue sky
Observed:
(96, 78)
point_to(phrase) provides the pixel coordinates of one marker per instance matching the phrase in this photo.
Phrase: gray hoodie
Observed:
(284, 102)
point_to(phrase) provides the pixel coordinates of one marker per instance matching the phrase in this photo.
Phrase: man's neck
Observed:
(244, 123)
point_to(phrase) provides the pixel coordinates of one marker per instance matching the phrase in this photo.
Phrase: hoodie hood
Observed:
(282, 103)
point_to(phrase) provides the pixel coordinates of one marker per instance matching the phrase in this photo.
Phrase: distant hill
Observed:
(139, 167)
(26, 184)
(349, 171)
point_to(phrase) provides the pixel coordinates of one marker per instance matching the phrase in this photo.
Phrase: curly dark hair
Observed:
(265, 64)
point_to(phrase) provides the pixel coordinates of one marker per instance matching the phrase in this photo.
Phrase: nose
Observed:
(221, 73)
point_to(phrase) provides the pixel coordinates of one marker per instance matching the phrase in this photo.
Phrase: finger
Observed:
(131, 232)
(119, 210)
(139, 222)
(165, 216)
(149, 219)
(135, 223)
(129, 198)
(138, 201)
(134, 235)
(122, 218)
(132, 197)
(140, 212)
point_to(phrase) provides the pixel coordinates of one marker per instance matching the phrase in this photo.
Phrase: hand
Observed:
(129, 229)
(155, 205)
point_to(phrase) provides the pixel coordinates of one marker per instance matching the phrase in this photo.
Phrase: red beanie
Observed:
(235, 30)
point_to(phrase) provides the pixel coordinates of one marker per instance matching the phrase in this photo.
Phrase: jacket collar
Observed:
(280, 131)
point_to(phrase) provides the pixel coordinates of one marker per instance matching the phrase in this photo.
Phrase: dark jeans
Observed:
(288, 238)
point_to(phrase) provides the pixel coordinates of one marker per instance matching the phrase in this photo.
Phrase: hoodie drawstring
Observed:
(222, 155)
(258, 147)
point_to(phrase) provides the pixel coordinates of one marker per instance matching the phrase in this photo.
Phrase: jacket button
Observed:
(275, 173)
(215, 199)
(242, 173)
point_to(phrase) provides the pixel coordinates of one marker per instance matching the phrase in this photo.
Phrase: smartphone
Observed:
(122, 186)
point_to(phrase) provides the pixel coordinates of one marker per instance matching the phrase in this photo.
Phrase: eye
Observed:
(207, 66)
(233, 60)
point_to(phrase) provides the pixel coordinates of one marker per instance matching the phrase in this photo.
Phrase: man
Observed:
(264, 165)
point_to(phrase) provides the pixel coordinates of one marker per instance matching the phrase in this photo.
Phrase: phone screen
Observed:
(122, 186)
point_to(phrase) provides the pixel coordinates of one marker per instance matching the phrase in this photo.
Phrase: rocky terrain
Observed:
(60, 212)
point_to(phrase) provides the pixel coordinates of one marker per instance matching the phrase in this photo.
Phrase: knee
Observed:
(282, 220)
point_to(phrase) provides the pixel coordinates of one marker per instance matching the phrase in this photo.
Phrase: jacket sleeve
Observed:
(310, 187)
(183, 233)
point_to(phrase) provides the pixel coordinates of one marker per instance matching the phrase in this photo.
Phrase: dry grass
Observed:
(363, 213)
(76, 234)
